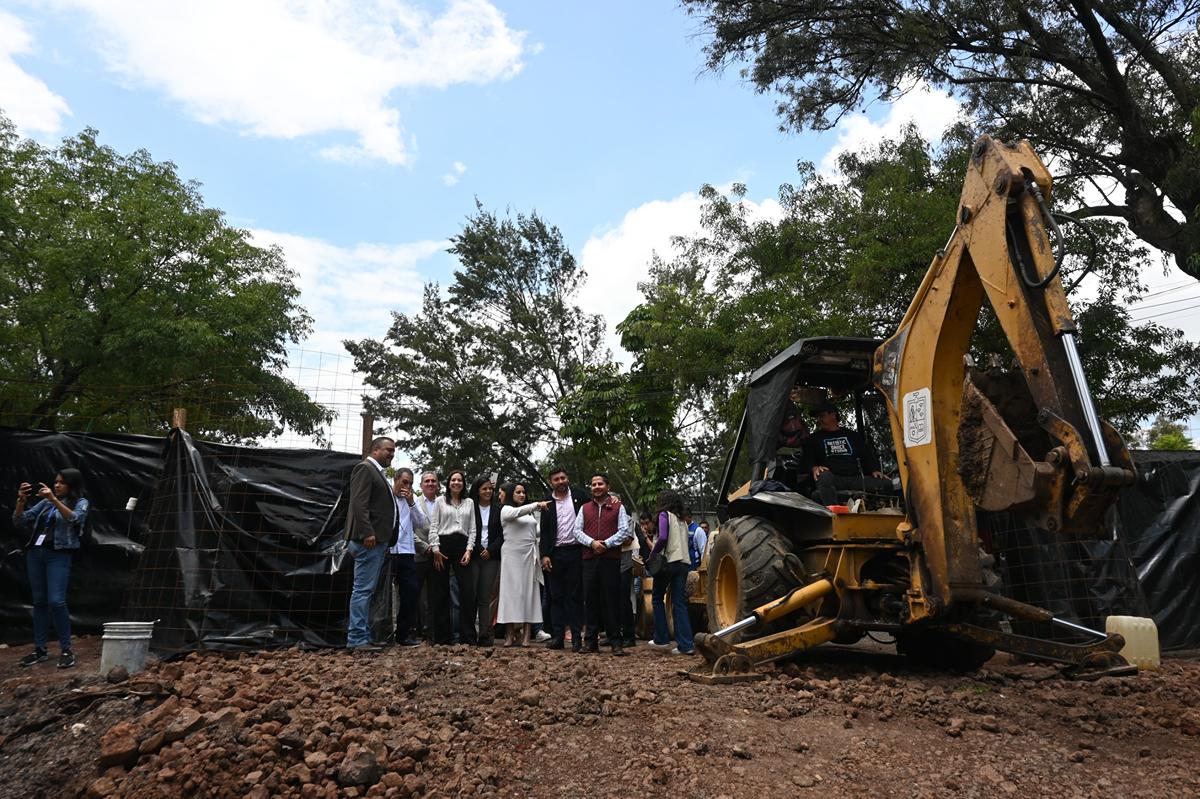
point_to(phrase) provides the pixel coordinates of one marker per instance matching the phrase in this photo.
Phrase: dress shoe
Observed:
(555, 643)
(630, 642)
(410, 642)
(592, 649)
(366, 648)
(619, 651)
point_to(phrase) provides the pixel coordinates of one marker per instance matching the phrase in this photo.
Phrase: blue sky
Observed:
(356, 135)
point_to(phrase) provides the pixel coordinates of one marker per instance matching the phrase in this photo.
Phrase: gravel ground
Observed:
(454, 721)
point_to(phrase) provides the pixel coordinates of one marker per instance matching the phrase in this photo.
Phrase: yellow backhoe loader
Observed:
(786, 573)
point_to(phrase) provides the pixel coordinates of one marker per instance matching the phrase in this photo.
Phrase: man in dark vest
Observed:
(372, 524)
(562, 559)
(602, 526)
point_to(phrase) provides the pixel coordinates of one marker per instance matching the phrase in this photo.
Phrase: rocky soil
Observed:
(458, 721)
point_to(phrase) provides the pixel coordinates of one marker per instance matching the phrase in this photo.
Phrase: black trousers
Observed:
(408, 595)
(566, 592)
(628, 628)
(437, 593)
(487, 576)
(828, 484)
(602, 587)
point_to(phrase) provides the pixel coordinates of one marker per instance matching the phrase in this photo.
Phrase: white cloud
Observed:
(619, 258)
(26, 100)
(931, 111)
(456, 171)
(278, 68)
(351, 292)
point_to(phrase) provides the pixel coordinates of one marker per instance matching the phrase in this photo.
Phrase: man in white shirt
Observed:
(431, 568)
(562, 560)
(602, 527)
(403, 555)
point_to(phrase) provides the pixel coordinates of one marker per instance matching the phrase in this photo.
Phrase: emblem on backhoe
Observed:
(918, 420)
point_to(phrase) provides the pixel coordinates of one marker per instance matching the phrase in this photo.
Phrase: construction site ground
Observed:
(462, 721)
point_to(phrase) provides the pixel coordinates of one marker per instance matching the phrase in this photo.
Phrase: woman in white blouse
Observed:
(520, 570)
(485, 561)
(452, 532)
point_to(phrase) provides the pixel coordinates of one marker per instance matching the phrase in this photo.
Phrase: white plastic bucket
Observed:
(126, 643)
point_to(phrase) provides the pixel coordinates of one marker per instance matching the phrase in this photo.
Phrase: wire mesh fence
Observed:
(1078, 578)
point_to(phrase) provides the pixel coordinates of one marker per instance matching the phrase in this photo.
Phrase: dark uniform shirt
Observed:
(842, 451)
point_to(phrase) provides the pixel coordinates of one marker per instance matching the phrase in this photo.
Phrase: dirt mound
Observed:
(457, 721)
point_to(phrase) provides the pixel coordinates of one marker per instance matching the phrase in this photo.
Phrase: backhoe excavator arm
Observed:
(945, 427)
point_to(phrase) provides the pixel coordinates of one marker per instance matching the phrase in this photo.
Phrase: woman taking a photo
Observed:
(672, 540)
(520, 571)
(488, 541)
(54, 525)
(452, 534)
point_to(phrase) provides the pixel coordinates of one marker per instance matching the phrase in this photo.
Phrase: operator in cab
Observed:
(841, 459)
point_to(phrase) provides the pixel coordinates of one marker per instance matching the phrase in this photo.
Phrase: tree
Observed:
(1106, 89)
(625, 422)
(122, 296)
(474, 380)
(846, 258)
(1165, 434)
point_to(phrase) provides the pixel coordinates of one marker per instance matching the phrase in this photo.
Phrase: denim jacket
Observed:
(66, 531)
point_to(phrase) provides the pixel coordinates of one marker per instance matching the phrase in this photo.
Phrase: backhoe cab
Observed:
(786, 573)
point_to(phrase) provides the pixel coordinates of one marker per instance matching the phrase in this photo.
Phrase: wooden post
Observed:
(179, 418)
(368, 432)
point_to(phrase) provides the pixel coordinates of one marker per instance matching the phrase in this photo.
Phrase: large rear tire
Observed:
(747, 567)
(942, 650)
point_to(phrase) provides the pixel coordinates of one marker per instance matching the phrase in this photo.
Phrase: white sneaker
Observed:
(676, 651)
(542, 636)
(659, 647)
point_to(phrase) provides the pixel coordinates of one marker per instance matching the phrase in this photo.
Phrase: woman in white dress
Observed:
(520, 570)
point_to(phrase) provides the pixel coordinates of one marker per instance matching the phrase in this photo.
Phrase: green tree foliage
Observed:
(625, 422)
(1165, 434)
(846, 258)
(475, 378)
(1109, 88)
(122, 296)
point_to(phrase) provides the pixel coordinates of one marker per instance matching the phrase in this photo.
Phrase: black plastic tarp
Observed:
(242, 550)
(1159, 521)
(229, 546)
(115, 468)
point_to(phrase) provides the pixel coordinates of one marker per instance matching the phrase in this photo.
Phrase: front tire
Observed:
(747, 567)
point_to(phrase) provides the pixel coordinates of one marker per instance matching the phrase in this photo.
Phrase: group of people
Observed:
(562, 565)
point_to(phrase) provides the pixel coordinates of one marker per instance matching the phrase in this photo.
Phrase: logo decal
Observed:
(918, 418)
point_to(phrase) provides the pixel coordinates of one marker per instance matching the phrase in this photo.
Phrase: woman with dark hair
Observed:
(520, 571)
(489, 539)
(673, 541)
(55, 525)
(452, 532)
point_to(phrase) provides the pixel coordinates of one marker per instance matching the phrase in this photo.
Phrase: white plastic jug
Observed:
(1141, 639)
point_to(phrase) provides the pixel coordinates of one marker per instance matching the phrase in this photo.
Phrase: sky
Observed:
(358, 136)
